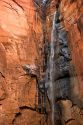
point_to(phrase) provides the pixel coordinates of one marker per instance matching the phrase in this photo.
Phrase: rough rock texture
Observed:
(20, 34)
(68, 66)
(24, 26)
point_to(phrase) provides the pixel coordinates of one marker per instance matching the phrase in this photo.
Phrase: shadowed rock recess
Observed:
(41, 62)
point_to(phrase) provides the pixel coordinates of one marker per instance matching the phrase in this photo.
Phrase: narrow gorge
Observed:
(41, 54)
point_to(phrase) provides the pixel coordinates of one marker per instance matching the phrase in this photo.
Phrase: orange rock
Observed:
(21, 42)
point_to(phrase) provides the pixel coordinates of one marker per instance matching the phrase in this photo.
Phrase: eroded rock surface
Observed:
(20, 34)
(25, 29)
(67, 65)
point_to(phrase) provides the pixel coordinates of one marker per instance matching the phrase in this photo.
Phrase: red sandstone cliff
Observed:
(21, 41)
(20, 32)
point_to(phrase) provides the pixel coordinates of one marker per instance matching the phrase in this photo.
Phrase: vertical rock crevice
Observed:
(60, 72)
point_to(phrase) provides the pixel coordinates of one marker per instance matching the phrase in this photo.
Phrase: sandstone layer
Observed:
(24, 27)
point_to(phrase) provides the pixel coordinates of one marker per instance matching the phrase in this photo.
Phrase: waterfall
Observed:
(53, 40)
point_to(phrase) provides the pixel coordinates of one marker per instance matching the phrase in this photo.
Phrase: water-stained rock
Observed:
(25, 28)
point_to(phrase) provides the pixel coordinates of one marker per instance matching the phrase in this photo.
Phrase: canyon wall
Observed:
(67, 68)
(25, 27)
(20, 36)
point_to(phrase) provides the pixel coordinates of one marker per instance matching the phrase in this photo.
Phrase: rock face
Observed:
(25, 35)
(66, 65)
(20, 35)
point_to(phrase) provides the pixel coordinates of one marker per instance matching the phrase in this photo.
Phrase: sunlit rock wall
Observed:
(20, 35)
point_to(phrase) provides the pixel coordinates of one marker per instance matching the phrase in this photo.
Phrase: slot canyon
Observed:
(41, 68)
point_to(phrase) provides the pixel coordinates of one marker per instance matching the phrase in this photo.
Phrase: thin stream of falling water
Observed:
(52, 69)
